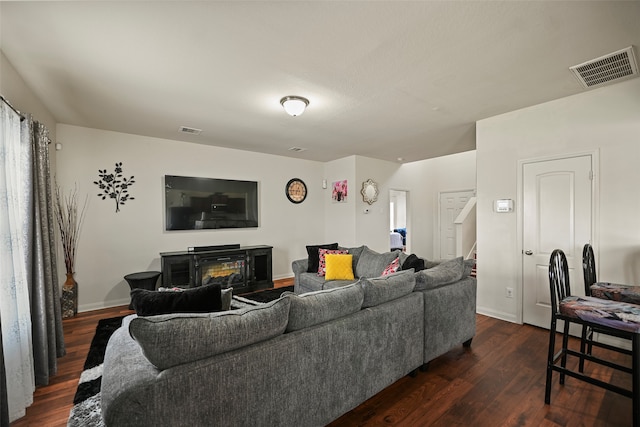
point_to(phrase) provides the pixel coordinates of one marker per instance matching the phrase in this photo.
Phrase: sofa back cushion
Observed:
(317, 307)
(442, 274)
(173, 339)
(387, 288)
(356, 252)
(372, 263)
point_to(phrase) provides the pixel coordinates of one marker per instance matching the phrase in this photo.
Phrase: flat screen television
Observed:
(204, 203)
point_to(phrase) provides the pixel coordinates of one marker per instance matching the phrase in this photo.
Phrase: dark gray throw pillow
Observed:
(414, 262)
(314, 256)
(203, 299)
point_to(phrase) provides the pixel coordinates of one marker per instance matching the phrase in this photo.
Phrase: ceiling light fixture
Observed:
(294, 105)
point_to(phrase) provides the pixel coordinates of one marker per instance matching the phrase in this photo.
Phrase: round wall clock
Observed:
(296, 190)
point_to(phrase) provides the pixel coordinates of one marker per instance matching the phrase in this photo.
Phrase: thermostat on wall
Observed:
(504, 205)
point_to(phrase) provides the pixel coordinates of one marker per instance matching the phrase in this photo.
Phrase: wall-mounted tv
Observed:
(204, 203)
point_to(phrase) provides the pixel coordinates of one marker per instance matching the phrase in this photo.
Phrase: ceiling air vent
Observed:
(296, 149)
(616, 66)
(190, 131)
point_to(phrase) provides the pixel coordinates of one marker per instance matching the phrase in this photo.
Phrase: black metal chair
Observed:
(588, 268)
(590, 278)
(605, 316)
(589, 274)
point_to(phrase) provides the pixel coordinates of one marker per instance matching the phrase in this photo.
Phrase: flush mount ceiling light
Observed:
(294, 105)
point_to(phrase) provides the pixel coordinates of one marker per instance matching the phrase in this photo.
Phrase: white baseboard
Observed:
(508, 317)
(106, 304)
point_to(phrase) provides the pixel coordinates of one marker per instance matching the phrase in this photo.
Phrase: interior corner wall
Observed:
(372, 220)
(603, 120)
(340, 218)
(115, 244)
(424, 181)
(16, 91)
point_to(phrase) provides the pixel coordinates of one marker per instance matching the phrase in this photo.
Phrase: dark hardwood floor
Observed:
(499, 381)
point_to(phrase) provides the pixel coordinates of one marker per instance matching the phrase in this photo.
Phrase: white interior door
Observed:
(557, 213)
(451, 203)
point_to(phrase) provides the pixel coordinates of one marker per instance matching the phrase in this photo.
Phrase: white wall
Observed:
(606, 120)
(372, 229)
(399, 200)
(115, 244)
(340, 219)
(425, 180)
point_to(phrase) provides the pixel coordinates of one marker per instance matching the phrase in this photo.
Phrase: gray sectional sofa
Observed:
(446, 285)
(301, 360)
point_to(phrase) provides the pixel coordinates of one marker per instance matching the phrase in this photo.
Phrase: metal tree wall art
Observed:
(115, 186)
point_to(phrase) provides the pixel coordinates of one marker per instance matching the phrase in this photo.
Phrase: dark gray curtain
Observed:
(44, 292)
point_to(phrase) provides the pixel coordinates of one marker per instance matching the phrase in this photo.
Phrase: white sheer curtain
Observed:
(14, 289)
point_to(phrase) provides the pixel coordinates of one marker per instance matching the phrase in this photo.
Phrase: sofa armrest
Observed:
(299, 266)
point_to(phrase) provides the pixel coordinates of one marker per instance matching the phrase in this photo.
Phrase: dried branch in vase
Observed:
(69, 222)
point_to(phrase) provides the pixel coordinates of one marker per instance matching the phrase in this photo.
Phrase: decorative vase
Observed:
(69, 297)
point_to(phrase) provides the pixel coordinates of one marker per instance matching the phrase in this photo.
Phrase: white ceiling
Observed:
(385, 79)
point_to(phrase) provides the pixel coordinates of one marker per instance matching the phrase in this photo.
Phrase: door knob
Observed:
(528, 252)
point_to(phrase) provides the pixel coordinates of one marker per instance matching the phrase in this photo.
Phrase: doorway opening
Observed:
(451, 204)
(399, 236)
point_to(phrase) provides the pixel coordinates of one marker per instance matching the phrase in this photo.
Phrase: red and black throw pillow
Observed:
(322, 263)
(392, 267)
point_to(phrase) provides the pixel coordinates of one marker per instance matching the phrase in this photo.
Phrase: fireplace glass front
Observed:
(227, 271)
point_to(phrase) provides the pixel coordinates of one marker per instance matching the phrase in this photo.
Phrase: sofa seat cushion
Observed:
(382, 289)
(318, 307)
(173, 339)
(372, 263)
(442, 274)
(312, 282)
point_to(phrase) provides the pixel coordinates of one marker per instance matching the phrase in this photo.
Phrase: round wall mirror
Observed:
(369, 191)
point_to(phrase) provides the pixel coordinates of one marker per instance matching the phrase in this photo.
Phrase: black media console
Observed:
(245, 268)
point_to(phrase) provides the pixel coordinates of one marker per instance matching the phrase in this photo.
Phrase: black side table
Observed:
(143, 280)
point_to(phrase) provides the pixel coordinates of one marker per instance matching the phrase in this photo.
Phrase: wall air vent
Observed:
(190, 131)
(297, 149)
(614, 67)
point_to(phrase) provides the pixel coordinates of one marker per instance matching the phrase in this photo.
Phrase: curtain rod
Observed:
(12, 107)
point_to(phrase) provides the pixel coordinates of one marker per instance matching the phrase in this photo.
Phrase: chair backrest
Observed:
(558, 278)
(588, 268)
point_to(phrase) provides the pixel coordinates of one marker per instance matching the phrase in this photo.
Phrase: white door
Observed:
(557, 206)
(451, 203)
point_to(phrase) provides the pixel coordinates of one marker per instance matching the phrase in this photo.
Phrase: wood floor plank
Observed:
(498, 381)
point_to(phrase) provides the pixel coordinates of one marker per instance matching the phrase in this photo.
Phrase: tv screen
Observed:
(203, 203)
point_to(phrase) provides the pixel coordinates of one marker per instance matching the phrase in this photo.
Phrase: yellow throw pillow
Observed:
(339, 267)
